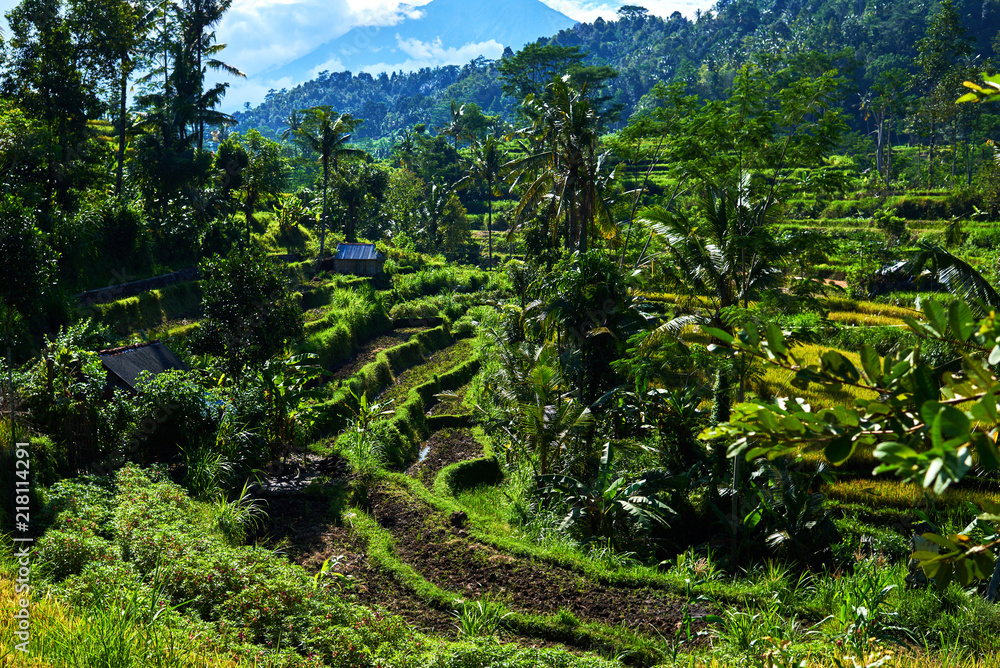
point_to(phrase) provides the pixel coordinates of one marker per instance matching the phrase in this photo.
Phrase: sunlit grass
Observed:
(888, 492)
(865, 319)
(838, 306)
(776, 382)
(61, 636)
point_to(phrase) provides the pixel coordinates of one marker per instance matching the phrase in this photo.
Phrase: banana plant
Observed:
(288, 392)
(605, 508)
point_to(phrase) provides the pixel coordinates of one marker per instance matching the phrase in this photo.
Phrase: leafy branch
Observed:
(927, 425)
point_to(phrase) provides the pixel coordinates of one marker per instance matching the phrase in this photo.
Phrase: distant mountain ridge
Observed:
(702, 54)
(455, 28)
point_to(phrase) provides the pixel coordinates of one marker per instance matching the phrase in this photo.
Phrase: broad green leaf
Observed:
(839, 449)
(840, 367)
(767, 420)
(775, 339)
(792, 424)
(870, 363)
(946, 543)
(719, 334)
(931, 475)
(961, 320)
(936, 317)
(986, 449)
(994, 357)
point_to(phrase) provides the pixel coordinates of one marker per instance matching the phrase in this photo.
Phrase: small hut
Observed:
(357, 259)
(125, 364)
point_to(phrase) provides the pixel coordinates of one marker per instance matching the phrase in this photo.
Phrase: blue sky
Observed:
(261, 34)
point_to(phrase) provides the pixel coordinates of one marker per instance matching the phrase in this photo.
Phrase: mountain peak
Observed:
(445, 32)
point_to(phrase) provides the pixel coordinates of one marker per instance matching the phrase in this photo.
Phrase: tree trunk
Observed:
(322, 227)
(878, 145)
(721, 403)
(991, 592)
(954, 150)
(122, 122)
(930, 158)
(489, 222)
(201, 112)
(888, 162)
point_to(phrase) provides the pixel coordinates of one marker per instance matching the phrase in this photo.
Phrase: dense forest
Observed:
(871, 44)
(659, 342)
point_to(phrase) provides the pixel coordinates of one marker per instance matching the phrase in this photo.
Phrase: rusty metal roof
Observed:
(356, 252)
(127, 362)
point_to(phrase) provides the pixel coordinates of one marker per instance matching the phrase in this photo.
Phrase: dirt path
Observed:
(447, 557)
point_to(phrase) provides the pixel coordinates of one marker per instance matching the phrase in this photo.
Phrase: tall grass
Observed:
(118, 630)
(353, 316)
(435, 281)
(887, 492)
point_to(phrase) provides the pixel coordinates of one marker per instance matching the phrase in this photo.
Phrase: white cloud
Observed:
(384, 12)
(332, 65)
(262, 34)
(432, 54)
(588, 10)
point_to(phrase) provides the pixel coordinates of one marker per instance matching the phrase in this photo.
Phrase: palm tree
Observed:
(546, 419)
(487, 165)
(117, 29)
(957, 276)
(327, 134)
(200, 16)
(566, 170)
(729, 254)
(454, 129)
(608, 507)
(292, 123)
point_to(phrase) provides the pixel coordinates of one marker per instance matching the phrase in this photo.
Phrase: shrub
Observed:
(883, 339)
(65, 551)
(237, 518)
(332, 494)
(471, 473)
(435, 281)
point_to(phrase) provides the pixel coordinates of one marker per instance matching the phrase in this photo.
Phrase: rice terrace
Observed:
(499, 334)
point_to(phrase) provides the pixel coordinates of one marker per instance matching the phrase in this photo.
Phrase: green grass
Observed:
(149, 309)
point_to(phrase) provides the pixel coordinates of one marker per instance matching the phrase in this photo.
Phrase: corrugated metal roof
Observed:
(127, 362)
(356, 252)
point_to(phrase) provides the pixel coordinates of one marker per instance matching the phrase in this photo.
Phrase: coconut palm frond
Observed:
(669, 331)
(961, 278)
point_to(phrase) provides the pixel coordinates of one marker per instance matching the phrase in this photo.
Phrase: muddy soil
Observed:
(449, 558)
(444, 448)
(451, 406)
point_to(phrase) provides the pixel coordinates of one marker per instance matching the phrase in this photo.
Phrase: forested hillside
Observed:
(661, 343)
(868, 41)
